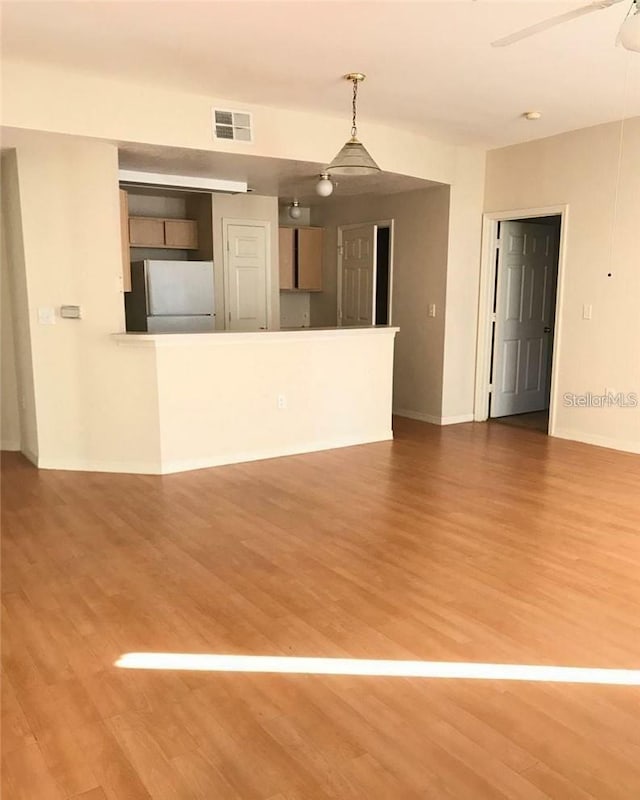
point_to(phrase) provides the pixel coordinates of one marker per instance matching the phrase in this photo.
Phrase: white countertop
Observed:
(220, 337)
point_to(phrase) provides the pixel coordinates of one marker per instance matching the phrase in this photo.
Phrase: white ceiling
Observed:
(430, 66)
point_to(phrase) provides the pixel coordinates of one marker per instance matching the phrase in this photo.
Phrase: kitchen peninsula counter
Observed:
(226, 397)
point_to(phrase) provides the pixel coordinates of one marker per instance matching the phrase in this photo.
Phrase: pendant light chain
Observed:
(354, 129)
(353, 158)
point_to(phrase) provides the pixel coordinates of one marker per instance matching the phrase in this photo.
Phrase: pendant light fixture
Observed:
(353, 159)
(295, 212)
(324, 187)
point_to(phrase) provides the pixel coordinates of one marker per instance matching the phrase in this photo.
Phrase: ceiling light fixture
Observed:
(295, 212)
(324, 187)
(531, 115)
(353, 159)
(629, 35)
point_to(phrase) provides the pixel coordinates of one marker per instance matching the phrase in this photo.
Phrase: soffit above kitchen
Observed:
(275, 177)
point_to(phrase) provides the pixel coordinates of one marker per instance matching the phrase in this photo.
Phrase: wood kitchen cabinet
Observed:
(301, 259)
(180, 234)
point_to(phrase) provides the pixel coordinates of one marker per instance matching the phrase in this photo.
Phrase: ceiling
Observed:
(430, 65)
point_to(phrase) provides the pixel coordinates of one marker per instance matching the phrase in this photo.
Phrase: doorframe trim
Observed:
(384, 223)
(249, 223)
(490, 222)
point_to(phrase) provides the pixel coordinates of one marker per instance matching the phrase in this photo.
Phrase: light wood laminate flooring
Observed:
(472, 543)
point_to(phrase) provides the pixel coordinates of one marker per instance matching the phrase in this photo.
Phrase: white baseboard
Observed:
(261, 455)
(457, 420)
(121, 467)
(595, 439)
(168, 467)
(404, 412)
(10, 445)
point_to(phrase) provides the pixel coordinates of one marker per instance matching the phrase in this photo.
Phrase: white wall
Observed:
(601, 184)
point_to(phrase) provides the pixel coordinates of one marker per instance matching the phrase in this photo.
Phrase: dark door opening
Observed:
(383, 258)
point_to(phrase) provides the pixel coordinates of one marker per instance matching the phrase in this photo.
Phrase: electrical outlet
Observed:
(587, 310)
(282, 401)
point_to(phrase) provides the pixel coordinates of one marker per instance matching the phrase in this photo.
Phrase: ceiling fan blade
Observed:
(598, 5)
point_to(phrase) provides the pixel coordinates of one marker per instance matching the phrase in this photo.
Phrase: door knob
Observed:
(547, 329)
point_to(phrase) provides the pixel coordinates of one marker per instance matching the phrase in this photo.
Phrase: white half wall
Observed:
(229, 397)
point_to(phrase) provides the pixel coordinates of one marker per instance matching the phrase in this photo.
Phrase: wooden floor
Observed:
(473, 543)
(534, 420)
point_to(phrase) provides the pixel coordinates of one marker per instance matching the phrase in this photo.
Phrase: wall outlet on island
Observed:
(282, 401)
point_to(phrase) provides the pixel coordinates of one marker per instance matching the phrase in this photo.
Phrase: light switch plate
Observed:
(587, 310)
(432, 310)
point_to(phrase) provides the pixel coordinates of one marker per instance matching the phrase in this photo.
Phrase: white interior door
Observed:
(525, 294)
(358, 276)
(246, 265)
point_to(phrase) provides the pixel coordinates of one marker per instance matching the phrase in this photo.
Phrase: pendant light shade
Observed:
(354, 158)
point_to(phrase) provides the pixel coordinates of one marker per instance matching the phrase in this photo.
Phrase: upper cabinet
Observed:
(301, 259)
(181, 234)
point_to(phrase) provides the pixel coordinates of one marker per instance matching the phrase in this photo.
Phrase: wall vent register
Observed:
(232, 125)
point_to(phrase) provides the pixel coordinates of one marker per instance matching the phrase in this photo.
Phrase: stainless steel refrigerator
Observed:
(171, 296)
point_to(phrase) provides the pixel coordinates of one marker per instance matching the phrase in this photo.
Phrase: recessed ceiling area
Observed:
(276, 177)
(430, 65)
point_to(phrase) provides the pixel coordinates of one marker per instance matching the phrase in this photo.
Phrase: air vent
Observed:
(232, 125)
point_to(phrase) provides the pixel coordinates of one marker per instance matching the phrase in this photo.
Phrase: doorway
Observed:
(365, 273)
(518, 329)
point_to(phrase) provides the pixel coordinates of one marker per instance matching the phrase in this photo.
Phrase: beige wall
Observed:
(463, 283)
(90, 406)
(9, 409)
(601, 185)
(10, 438)
(419, 278)
(246, 207)
(19, 374)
